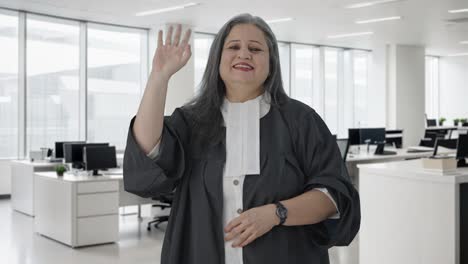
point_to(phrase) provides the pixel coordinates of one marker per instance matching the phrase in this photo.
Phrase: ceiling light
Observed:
(464, 42)
(458, 10)
(378, 20)
(458, 54)
(167, 9)
(351, 35)
(371, 3)
(279, 20)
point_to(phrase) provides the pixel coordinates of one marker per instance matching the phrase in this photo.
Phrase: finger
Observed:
(187, 54)
(177, 35)
(169, 36)
(249, 240)
(160, 41)
(243, 237)
(235, 232)
(186, 38)
(234, 222)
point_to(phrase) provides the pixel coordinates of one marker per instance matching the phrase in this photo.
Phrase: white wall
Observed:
(406, 91)
(453, 91)
(5, 177)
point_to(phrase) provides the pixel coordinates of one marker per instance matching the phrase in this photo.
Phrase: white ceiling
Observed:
(424, 21)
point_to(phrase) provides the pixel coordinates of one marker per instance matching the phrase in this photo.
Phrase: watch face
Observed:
(282, 212)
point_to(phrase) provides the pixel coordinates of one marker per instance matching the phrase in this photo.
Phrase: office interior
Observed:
(388, 77)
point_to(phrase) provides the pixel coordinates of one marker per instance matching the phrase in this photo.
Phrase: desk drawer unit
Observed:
(97, 204)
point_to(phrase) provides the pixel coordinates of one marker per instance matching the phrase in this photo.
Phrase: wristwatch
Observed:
(281, 212)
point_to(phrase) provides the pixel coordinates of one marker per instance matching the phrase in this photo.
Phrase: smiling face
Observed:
(244, 64)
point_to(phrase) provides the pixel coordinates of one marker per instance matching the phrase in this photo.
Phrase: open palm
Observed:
(172, 55)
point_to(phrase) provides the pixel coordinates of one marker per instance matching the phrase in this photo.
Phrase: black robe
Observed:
(297, 154)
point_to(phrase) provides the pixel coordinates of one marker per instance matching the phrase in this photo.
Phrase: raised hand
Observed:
(172, 55)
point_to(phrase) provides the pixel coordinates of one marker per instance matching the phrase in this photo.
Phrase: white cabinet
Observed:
(77, 210)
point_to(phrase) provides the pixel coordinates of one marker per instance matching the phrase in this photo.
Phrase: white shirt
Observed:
(242, 121)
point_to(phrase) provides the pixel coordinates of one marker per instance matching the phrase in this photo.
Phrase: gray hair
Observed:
(205, 106)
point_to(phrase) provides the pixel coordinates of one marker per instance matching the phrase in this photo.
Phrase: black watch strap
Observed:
(281, 212)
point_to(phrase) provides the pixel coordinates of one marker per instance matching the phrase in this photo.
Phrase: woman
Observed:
(258, 177)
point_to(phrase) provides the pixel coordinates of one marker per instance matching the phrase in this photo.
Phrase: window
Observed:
(302, 65)
(331, 67)
(9, 85)
(283, 49)
(52, 68)
(117, 74)
(360, 80)
(202, 49)
(432, 87)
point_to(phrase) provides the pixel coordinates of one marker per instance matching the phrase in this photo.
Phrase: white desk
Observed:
(22, 183)
(80, 210)
(350, 254)
(411, 215)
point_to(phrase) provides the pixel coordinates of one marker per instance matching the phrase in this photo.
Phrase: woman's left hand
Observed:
(251, 225)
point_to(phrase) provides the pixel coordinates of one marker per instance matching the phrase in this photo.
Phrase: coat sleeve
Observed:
(148, 177)
(324, 168)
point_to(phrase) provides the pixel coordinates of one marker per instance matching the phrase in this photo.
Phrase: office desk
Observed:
(364, 157)
(22, 183)
(413, 215)
(80, 210)
(350, 254)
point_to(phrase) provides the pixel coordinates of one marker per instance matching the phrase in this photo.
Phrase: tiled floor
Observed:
(19, 244)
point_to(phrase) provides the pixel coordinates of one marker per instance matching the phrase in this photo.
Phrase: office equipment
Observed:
(380, 150)
(73, 152)
(394, 137)
(99, 157)
(59, 147)
(359, 136)
(164, 201)
(446, 143)
(462, 150)
(431, 122)
(343, 145)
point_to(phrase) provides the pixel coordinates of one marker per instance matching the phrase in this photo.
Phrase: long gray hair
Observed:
(204, 108)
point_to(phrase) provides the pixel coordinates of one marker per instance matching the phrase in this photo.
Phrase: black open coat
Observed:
(297, 154)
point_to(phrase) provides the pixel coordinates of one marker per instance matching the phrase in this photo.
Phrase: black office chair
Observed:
(465, 124)
(164, 201)
(343, 145)
(430, 139)
(446, 143)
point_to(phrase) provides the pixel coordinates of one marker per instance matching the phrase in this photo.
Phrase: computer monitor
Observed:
(446, 143)
(73, 152)
(462, 150)
(59, 147)
(354, 136)
(372, 135)
(360, 136)
(99, 157)
(431, 122)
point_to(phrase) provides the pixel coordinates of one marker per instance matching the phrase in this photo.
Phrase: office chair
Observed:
(343, 145)
(430, 139)
(446, 143)
(165, 201)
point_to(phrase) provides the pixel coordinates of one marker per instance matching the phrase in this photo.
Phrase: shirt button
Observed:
(236, 182)
(239, 211)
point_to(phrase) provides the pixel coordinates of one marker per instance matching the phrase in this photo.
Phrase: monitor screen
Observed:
(372, 135)
(73, 152)
(462, 147)
(99, 157)
(59, 147)
(354, 137)
(359, 136)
